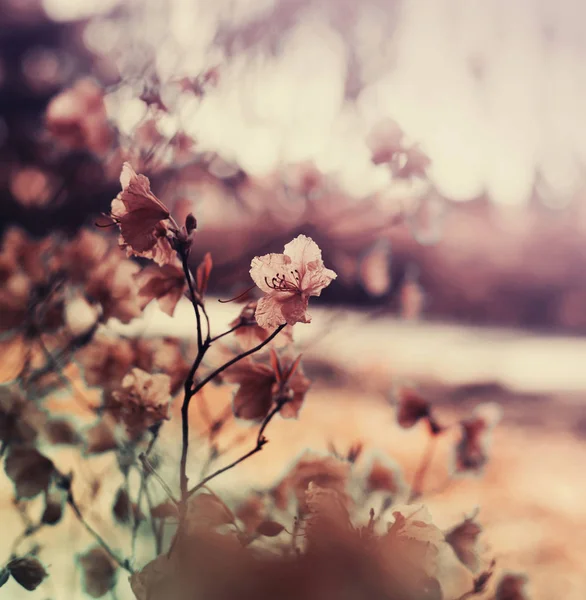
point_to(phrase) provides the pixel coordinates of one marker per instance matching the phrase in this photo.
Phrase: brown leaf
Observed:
(100, 438)
(165, 283)
(98, 572)
(164, 510)
(202, 275)
(511, 587)
(124, 510)
(383, 478)
(270, 528)
(61, 431)
(29, 470)
(53, 511)
(15, 354)
(4, 576)
(27, 571)
(208, 510)
(463, 538)
(411, 408)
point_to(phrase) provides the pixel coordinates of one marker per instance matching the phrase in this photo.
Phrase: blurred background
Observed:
(435, 151)
(270, 117)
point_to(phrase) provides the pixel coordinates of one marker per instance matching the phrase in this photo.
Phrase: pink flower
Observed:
(140, 216)
(288, 280)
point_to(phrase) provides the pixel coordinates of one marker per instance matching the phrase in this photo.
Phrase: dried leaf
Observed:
(270, 528)
(158, 575)
(61, 431)
(54, 503)
(463, 538)
(411, 408)
(124, 510)
(165, 283)
(29, 470)
(511, 587)
(164, 510)
(202, 275)
(15, 355)
(4, 576)
(98, 572)
(208, 510)
(27, 571)
(100, 438)
(276, 366)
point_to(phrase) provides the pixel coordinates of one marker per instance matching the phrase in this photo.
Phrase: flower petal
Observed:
(268, 269)
(303, 250)
(315, 278)
(279, 308)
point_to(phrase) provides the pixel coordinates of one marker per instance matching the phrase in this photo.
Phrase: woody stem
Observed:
(260, 442)
(418, 479)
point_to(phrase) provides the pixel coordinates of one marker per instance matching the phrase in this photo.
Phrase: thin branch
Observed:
(208, 326)
(156, 532)
(261, 440)
(193, 298)
(137, 514)
(192, 391)
(221, 335)
(124, 563)
(233, 361)
(146, 463)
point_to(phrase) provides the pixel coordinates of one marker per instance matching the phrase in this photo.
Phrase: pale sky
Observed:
(492, 90)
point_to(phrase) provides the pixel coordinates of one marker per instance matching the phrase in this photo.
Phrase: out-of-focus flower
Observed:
(24, 281)
(261, 386)
(31, 187)
(141, 401)
(168, 357)
(382, 477)
(80, 315)
(385, 141)
(472, 449)
(463, 538)
(413, 543)
(511, 587)
(111, 284)
(327, 516)
(106, 360)
(77, 117)
(413, 163)
(412, 408)
(325, 472)
(288, 280)
(165, 283)
(141, 217)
